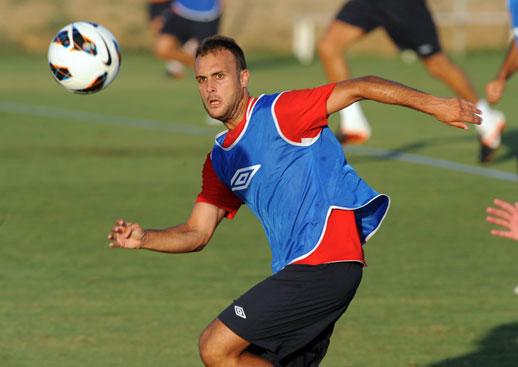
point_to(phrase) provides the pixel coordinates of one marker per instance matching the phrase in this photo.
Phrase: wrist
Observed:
(143, 239)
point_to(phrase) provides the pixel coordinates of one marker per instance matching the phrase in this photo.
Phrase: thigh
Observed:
(157, 10)
(359, 13)
(176, 26)
(285, 312)
(410, 25)
(202, 30)
(340, 35)
(222, 340)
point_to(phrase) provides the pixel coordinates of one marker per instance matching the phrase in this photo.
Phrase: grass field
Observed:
(438, 290)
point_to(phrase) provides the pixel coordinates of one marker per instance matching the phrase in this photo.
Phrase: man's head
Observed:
(222, 76)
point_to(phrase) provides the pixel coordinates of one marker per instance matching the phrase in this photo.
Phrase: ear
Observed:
(244, 76)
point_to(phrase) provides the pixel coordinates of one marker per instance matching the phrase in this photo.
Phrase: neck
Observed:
(238, 112)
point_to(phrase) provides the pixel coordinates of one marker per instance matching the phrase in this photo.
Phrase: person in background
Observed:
(156, 10)
(410, 25)
(156, 15)
(186, 24)
(495, 88)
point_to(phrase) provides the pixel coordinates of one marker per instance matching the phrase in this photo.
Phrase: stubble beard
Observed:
(231, 112)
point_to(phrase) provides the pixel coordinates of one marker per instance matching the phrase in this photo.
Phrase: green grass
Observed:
(437, 292)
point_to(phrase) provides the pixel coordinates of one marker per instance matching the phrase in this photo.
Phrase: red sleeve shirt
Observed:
(214, 192)
(301, 114)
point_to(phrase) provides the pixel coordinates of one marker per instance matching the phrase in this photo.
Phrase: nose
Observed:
(211, 85)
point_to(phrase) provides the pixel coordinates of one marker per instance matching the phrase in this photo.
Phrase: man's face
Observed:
(221, 86)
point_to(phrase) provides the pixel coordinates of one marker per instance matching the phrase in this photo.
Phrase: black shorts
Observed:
(158, 9)
(289, 317)
(408, 22)
(185, 29)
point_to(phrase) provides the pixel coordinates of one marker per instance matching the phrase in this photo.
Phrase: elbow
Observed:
(199, 247)
(203, 241)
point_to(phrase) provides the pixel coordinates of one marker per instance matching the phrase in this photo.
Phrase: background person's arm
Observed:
(505, 215)
(495, 88)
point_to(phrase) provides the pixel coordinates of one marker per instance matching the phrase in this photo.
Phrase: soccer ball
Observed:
(84, 57)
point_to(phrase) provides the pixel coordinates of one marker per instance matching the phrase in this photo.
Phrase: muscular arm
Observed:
(495, 88)
(193, 235)
(451, 111)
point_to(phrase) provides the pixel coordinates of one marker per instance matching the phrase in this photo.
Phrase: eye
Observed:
(200, 79)
(220, 76)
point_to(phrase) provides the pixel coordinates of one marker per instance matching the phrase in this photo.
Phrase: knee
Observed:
(437, 65)
(160, 49)
(327, 48)
(163, 46)
(209, 353)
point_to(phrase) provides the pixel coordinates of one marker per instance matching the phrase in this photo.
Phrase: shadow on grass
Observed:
(508, 151)
(509, 140)
(499, 348)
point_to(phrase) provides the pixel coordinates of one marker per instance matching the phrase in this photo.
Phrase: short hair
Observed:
(219, 43)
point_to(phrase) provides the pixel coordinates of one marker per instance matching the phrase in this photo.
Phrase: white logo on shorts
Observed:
(425, 49)
(240, 312)
(243, 177)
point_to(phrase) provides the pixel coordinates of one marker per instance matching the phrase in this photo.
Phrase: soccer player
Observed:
(410, 26)
(504, 214)
(156, 14)
(495, 89)
(156, 10)
(186, 24)
(279, 157)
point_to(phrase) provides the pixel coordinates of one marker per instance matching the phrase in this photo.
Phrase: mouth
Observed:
(214, 102)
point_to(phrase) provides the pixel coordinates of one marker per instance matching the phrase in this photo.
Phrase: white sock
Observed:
(352, 119)
(174, 67)
(489, 129)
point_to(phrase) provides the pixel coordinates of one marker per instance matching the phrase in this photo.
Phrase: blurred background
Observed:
(267, 25)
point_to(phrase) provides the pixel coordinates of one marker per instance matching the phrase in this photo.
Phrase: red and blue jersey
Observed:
(287, 166)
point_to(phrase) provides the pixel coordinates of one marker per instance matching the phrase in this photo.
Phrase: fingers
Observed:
(463, 112)
(498, 213)
(470, 112)
(119, 231)
(504, 234)
(510, 208)
(498, 221)
(459, 125)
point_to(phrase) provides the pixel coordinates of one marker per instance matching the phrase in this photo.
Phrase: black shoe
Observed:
(486, 153)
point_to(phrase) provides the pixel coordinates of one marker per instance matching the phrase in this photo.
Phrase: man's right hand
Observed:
(126, 235)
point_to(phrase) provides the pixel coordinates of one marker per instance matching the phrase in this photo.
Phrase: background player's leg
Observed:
(221, 347)
(441, 67)
(493, 122)
(338, 37)
(157, 16)
(168, 47)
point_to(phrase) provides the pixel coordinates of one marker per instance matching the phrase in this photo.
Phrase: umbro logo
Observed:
(240, 312)
(425, 49)
(243, 177)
